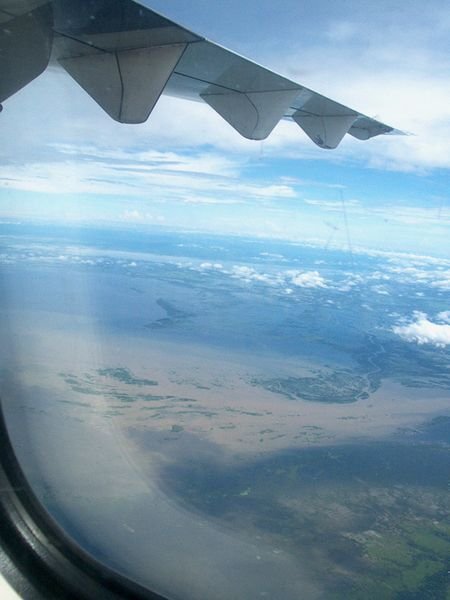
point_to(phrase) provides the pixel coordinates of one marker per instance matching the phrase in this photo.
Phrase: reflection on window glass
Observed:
(225, 365)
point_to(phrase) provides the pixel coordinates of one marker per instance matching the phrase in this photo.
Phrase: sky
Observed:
(64, 159)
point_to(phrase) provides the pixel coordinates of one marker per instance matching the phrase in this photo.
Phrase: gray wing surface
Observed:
(125, 56)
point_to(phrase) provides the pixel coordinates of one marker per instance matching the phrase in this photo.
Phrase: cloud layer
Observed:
(388, 63)
(423, 331)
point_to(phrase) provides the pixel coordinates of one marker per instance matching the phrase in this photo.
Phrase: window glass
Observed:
(225, 363)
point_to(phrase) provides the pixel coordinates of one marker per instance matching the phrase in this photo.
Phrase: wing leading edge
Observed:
(125, 56)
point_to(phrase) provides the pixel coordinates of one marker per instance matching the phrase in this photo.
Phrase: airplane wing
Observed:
(125, 55)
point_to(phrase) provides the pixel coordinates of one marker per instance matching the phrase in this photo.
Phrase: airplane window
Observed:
(225, 361)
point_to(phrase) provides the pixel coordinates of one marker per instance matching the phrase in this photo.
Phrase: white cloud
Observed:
(392, 66)
(342, 31)
(137, 216)
(278, 280)
(307, 279)
(271, 255)
(333, 205)
(169, 176)
(442, 283)
(200, 199)
(132, 215)
(378, 275)
(424, 331)
(392, 69)
(249, 274)
(444, 316)
(408, 66)
(209, 266)
(379, 289)
(425, 271)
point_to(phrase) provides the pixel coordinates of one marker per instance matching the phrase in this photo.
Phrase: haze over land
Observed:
(262, 388)
(269, 407)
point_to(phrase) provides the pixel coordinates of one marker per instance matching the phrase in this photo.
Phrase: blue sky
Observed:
(64, 159)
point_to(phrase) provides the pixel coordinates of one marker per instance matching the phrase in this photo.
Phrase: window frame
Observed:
(37, 558)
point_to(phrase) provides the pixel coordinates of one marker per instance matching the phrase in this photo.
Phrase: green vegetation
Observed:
(415, 366)
(74, 403)
(174, 316)
(338, 386)
(125, 376)
(409, 557)
(353, 515)
(123, 387)
(91, 385)
(171, 310)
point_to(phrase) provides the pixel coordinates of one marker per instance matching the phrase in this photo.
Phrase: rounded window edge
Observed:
(37, 558)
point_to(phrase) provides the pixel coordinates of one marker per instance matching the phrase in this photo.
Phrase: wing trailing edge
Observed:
(253, 114)
(115, 79)
(125, 56)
